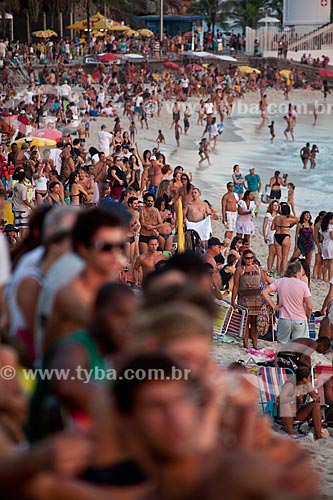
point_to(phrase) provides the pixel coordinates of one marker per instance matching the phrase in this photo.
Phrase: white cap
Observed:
(28, 139)
(153, 157)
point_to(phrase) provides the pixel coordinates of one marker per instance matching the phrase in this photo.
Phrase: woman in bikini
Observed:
(76, 190)
(281, 225)
(165, 232)
(313, 155)
(117, 140)
(146, 164)
(275, 184)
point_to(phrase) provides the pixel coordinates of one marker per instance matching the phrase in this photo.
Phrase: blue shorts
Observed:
(153, 190)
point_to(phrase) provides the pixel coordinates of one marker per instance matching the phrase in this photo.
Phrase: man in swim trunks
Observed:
(148, 260)
(197, 211)
(229, 210)
(154, 174)
(150, 220)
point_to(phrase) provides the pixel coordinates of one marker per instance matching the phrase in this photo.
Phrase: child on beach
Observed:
(160, 137)
(132, 130)
(291, 194)
(272, 131)
(87, 125)
(203, 151)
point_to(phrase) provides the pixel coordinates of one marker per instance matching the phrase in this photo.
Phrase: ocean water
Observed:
(314, 187)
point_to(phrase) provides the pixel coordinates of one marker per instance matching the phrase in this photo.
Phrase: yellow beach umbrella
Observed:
(96, 22)
(119, 27)
(44, 34)
(146, 32)
(98, 33)
(247, 70)
(181, 236)
(285, 72)
(131, 32)
(37, 141)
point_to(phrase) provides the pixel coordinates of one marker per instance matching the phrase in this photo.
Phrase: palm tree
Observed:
(247, 12)
(213, 10)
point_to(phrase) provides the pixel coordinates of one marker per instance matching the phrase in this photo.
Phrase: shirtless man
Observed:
(134, 227)
(154, 174)
(99, 237)
(148, 260)
(214, 249)
(150, 220)
(101, 173)
(229, 210)
(195, 212)
(88, 185)
(67, 166)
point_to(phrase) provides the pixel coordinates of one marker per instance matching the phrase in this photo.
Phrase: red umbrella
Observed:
(326, 72)
(47, 133)
(107, 57)
(195, 67)
(172, 66)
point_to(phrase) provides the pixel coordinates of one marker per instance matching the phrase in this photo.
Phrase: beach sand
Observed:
(250, 148)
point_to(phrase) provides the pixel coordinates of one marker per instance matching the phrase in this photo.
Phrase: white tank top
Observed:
(41, 183)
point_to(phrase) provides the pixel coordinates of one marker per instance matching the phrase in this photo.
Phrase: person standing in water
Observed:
(305, 154)
(313, 155)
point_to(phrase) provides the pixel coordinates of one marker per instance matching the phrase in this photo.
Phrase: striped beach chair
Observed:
(234, 322)
(270, 383)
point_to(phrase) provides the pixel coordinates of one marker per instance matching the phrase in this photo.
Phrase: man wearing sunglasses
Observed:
(99, 237)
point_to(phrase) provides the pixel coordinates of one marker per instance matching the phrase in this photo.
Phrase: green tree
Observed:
(213, 10)
(247, 12)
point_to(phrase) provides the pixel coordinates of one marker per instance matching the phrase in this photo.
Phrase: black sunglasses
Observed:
(149, 201)
(104, 246)
(249, 258)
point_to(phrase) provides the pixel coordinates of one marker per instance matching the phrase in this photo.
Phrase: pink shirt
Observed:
(292, 293)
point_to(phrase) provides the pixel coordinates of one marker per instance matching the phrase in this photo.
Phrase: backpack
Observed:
(193, 242)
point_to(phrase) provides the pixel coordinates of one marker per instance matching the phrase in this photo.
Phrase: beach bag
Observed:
(264, 319)
(193, 242)
(265, 197)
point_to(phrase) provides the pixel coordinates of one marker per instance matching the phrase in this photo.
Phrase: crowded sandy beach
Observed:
(139, 213)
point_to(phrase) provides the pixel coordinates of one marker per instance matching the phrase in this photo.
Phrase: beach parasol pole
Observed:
(161, 20)
(181, 236)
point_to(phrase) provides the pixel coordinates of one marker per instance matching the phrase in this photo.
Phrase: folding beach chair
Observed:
(222, 308)
(234, 322)
(270, 382)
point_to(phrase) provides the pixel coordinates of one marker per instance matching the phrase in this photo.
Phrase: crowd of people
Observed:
(112, 271)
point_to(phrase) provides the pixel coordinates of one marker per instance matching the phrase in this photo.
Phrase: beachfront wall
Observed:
(296, 56)
(299, 39)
